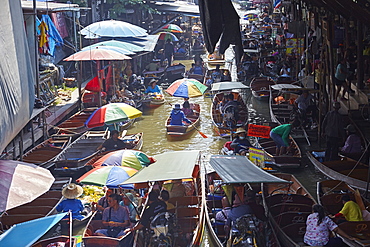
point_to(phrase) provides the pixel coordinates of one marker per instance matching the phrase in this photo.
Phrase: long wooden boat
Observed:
(260, 87)
(46, 151)
(347, 170)
(329, 194)
(153, 100)
(288, 207)
(220, 124)
(75, 125)
(188, 211)
(293, 160)
(59, 239)
(183, 131)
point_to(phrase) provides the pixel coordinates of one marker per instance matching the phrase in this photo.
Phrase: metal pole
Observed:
(36, 50)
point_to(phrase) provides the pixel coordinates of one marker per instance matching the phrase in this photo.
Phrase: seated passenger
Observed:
(177, 116)
(186, 109)
(128, 202)
(113, 143)
(351, 211)
(197, 69)
(240, 143)
(71, 192)
(165, 196)
(238, 209)
(221, 216)
(115, 218)
(352, 144)
(154, 207)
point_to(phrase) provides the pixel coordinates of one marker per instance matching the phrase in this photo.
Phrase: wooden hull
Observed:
(46, 151)
(180, 132)
(288, 207)
(60, 239)
(260, 87)
(153, 102)
(342, 170)
(220, 126)
(75, 125)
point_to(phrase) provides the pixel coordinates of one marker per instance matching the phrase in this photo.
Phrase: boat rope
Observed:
(349, 173)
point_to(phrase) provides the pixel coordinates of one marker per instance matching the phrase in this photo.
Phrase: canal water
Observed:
(152, 123)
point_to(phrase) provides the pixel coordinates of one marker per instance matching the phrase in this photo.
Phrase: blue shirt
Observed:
(177, 116)
(156, 89)
(119, 215)
(74, 205)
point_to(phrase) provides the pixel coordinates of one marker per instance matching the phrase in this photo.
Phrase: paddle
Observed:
(200, 132)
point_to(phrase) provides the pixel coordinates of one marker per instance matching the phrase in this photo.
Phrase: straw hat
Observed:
(72, 191)
(240, 130)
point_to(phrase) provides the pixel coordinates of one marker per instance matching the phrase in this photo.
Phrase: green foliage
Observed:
(121, 6)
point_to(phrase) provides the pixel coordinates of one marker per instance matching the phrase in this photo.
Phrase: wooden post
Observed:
(360, 57)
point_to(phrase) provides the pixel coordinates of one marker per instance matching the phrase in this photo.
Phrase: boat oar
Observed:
(200, 132)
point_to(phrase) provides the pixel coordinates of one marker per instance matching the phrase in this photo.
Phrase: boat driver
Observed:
(113, 143)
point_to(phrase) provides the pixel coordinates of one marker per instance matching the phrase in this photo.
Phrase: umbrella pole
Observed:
(70, 228)
(100, 83)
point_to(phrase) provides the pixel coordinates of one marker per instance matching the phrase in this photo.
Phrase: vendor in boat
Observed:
(71, 192)
(352, 146)
(305, 105)
(152, 66)
(351, 211)
(178, 116)
(238, 209)
(165, 196)
(113, 143)
(280, 135)
(319, 227)
(241, 143)
(115, 218)
(221, 216)
(186, 108)
(153, 87)
(154, 207)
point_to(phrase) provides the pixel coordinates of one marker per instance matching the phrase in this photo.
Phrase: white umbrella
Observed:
(112, 28)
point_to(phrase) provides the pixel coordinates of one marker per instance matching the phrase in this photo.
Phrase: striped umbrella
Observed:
(186, 88)
(112, 113)
(173, 28)
(166, 36)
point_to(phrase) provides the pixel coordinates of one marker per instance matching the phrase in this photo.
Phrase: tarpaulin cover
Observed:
(169, 166)
(226, 86)
(26, 233)
(16, 73)
(239, 169)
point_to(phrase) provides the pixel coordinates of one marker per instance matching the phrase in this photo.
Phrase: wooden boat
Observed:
(40, 207)
(58, 239)
(260, 87)
(347, 170)
(75, 125)
(182, 131)
(153, 100)
(288, 207)
(293, 160)
(47, 150)
(223, 125)
(188, 207)
(329, 194)
(208, 75)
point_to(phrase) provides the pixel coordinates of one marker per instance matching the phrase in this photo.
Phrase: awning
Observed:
(225, 86)
(285, 86)
(26, 233)
(179, 7)
(169, 166)
(147, 43)
(239, 169)
(27, 6)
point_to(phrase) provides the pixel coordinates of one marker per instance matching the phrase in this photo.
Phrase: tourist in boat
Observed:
(257, 208)
(113, 143)
(319, 227)
(197, 68)
(154, 207)
(178, 116)
(352, 145)
(241, 143)
(221, 216)
(153, 87)
(71, 203)
(102, 203)
(230, 111)
(351, 211)
(226, 76)
(280, 135)
(238, 209)
(305, 105)
(115, 218)
(128, 202)
(333, 129)
(186, 109)
(165, 196)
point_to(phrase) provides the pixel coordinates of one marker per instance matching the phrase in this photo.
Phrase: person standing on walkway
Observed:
(168, 51)
(333, 129)
(341, 74)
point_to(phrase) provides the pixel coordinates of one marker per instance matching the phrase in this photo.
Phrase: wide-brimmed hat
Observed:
(351, 128)
(72, 191)
(152, 81)
(177, 107)
(240, 130)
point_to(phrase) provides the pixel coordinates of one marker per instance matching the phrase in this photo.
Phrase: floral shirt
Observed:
(318, 235)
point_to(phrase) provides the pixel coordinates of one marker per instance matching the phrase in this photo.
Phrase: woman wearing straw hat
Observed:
(71, 192)
(241, 143)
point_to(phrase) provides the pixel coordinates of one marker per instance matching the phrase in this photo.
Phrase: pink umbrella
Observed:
(96, 54)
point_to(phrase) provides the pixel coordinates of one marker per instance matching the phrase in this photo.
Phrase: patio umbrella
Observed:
(21, 183)
(112, 113)
(111, 48)
(96, 54)
(167, 35)
(186, 88)
(173, 28)
(115, 43)
(112, 28)
(110, 176)
(127, 157)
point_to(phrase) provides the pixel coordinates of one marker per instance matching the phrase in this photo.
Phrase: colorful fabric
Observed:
(351, 211)
(318, 235)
